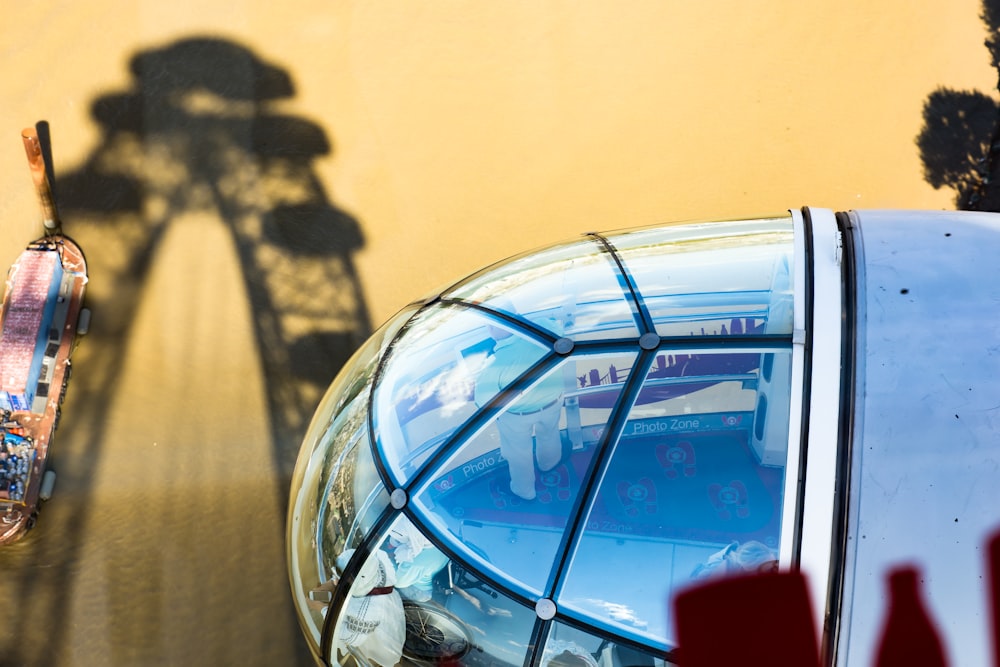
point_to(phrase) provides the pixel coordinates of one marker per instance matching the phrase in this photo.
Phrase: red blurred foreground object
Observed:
(909, 636)
(766, 619)
(761, 619)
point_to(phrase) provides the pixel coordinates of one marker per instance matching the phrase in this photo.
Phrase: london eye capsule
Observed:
(525, 468)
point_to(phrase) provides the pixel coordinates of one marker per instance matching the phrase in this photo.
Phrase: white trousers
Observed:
(516, 433)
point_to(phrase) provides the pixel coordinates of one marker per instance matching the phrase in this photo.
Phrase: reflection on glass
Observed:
(576, 284)
(336, 426)
(689, 491)
(529, 429)
(427, 388)
(723, 278)
(567, 646)
(493, 426)
(504, 497)
(349, 502)
(355, 499)
(410, 605)
(372, 625)
(336, 498)
(499, 628)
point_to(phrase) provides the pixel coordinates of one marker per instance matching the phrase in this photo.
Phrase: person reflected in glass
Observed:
(735, 558)
(417, 561)
(568, 654)
(529, 425)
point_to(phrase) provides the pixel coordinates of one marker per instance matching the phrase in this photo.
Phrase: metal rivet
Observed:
(397, 499)
(649, 341)
(563, 346)
(545, 609)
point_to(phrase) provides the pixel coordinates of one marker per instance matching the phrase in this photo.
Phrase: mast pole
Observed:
(36, 162)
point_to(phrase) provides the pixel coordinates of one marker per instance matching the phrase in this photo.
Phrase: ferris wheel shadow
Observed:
(201, 131)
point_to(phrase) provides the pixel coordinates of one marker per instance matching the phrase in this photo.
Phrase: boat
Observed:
(41, 318)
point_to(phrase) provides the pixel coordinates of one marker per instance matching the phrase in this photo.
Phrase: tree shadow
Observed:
(960, 140)
(955, 142)
(199, 130)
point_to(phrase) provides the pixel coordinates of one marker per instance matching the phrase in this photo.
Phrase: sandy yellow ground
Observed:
(257, 184)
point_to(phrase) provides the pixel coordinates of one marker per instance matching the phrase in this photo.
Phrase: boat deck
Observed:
(23, 455)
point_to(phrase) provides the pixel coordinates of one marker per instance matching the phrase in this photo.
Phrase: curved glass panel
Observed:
(410, 604)
(576, 285)
(354, 500)
(567, 646)
(428, 387)
(721, 278)
(495, 429)
(499, 627)
(338, 423)
(503, 499)
(371, 627)
(688, 492)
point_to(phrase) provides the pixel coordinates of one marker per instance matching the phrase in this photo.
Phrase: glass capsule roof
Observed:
(534, 461)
